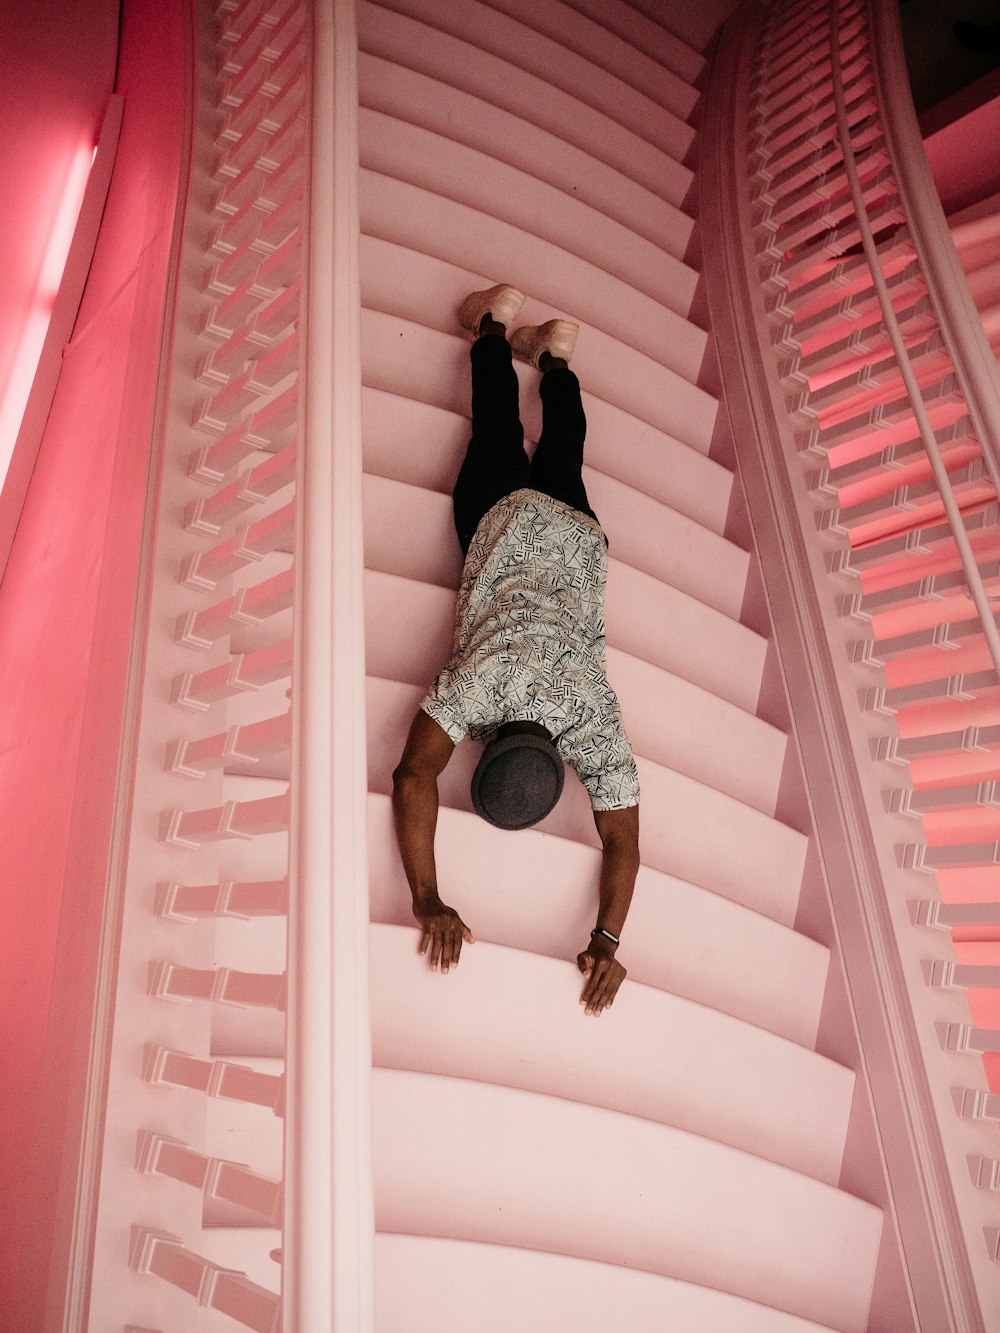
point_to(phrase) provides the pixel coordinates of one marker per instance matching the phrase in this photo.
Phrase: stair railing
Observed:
(245, 880)
(865, 406)
(956, 313)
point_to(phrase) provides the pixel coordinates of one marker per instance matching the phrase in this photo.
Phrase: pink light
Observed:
(36, 322)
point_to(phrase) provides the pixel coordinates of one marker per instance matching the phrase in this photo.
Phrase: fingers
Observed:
(451, 946)
(603, 981)
(442, 936)
(437, 945)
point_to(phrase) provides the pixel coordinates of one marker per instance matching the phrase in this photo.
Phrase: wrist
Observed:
(608, 938)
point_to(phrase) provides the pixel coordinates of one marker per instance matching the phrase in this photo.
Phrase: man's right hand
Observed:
(442, 932)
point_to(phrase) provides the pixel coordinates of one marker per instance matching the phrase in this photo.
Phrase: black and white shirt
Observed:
(529, 642)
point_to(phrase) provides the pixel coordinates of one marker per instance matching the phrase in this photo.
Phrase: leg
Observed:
(495, 462)
(557, 465)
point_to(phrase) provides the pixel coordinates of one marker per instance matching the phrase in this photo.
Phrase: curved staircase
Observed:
(678, 1163)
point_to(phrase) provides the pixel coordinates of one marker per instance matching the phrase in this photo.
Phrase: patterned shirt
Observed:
(529, 642)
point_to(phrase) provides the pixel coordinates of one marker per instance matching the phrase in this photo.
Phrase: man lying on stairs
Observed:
(527, 671)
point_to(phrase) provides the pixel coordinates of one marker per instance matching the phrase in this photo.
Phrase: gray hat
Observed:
(517, 781)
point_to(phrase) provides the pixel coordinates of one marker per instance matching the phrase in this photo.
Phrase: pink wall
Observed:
(59, 69)
(963, 156)
(66, 609)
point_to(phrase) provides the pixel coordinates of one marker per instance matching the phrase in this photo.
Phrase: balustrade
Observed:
(882, 434)
(225, 579)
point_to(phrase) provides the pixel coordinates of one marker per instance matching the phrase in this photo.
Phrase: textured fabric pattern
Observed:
(529, 642)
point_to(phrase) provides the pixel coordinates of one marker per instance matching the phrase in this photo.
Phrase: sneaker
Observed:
(556, 336)
(502, 302)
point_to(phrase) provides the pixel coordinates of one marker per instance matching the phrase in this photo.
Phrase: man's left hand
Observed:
(604, 975)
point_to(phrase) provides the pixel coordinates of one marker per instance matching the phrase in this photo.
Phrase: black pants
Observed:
(495, 462)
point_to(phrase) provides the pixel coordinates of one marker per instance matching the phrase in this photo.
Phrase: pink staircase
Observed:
(686, 1161)
(468, 178)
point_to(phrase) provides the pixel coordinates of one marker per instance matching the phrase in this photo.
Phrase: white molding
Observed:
(328, 1256)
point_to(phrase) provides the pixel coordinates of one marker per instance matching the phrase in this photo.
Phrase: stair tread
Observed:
(482, 26)
(397, 90)
(529, 206)
(693, 831)
(430, 1284)
(511, 1017)
(655, 463)
(643, 616)
(669, 719)
(648, 32)
(459, 63)
(679, 937)
(419, 362)
(421, 253)
(411, 529)
(675, 1203)
(633, 62)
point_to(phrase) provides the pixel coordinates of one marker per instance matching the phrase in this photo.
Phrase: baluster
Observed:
(232, 819)
(248, 606)
(242, 899)
(224, 1079)
(228, 1290)
(222, 985)
(215, 1177)
(242, 673)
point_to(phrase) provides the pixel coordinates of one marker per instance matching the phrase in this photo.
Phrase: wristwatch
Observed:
(605, 934)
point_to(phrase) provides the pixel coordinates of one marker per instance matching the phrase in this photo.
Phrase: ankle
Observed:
(489, 325)
(547, 362)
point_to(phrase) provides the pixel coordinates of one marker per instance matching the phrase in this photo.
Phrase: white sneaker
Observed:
(556, 336)
(502, 302)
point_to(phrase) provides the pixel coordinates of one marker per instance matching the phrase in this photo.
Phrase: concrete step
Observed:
(456, 1158)
(680, 937)
(512, 1017)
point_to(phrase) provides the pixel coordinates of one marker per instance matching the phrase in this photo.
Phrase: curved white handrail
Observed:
(961, 326)
(328, 1259)
(974, 579)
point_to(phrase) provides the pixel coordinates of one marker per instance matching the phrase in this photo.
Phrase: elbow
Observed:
(407, 779)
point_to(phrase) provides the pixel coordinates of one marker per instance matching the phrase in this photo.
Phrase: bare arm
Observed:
(415, 807)
(619, 834)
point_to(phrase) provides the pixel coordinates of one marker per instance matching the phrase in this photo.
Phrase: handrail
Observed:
(329, 1239)
(972, 357)
(973, 577)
